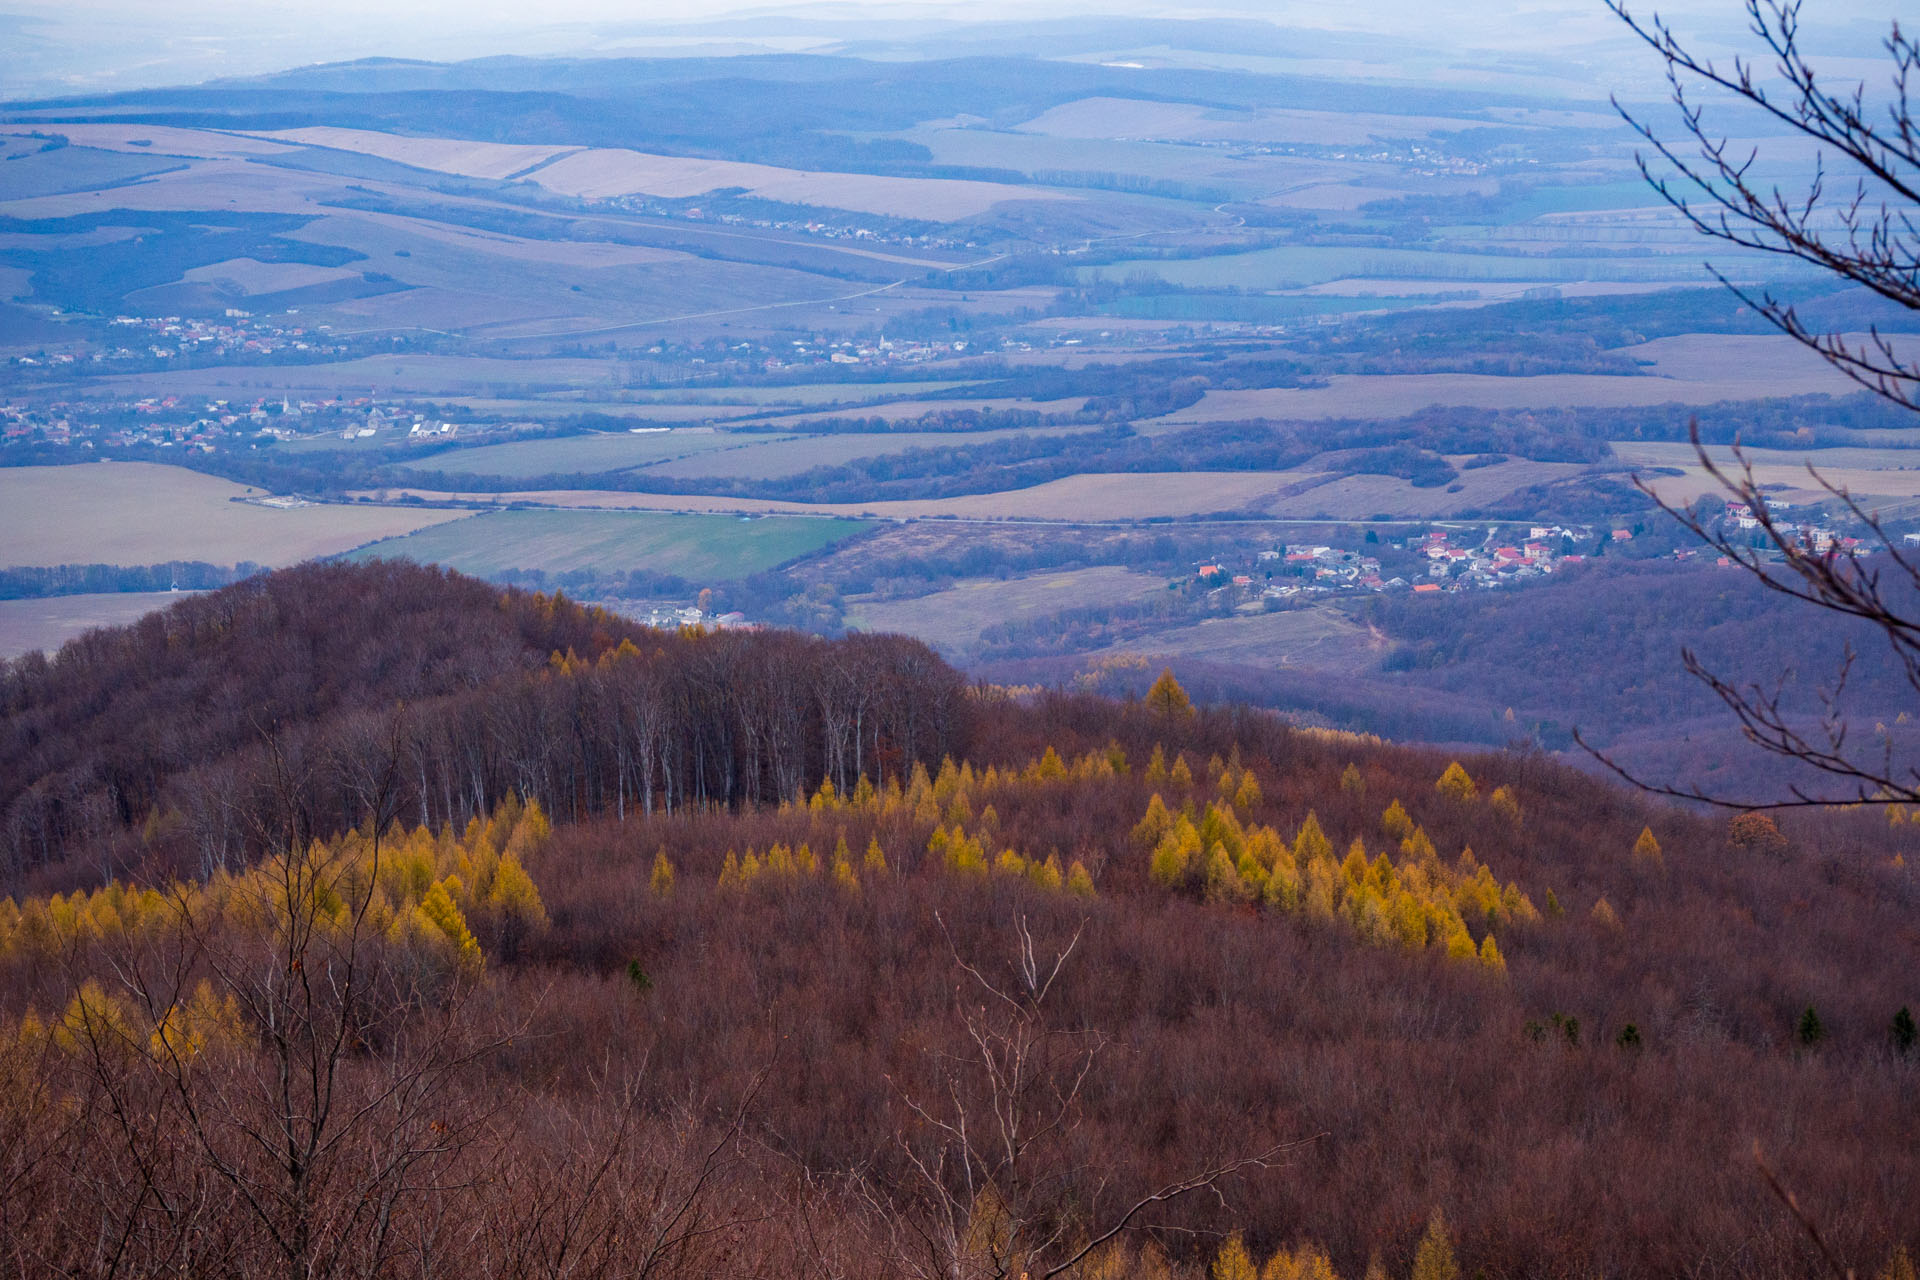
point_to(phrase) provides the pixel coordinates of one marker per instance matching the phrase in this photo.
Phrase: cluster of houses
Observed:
(1439, 560)
(666, 617)
(1453, 567)
(163, 338)
(875, 351)
(1821, 539)
(884, 233)
(190, 423)
(1316, 570)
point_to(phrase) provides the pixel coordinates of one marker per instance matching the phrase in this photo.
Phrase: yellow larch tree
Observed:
(1167, 698)
(1233, 1261)
(1646, 851)
(1455, 784)
(1434, 1260)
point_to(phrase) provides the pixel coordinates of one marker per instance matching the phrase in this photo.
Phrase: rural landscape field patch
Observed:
(690, 546)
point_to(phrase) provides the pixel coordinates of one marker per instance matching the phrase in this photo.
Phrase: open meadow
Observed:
(1316, 639)
(145, 513)
(952, 620)
(1885, 479)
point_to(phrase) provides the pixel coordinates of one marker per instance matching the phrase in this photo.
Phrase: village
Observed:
(1460, 559)
(158, 341)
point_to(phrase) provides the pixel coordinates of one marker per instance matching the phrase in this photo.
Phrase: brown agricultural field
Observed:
(953, 619)
(47, 624)
(1312, 639)
(444, 155)
(251, 276)
(1871, 474)
(1351, 497)
(146, 513)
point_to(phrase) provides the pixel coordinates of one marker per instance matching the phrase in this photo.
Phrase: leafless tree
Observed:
(1854, 218)
(999, 1192)
(345, 1108)
(1861, 230)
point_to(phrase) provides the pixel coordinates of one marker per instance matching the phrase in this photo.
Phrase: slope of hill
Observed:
(762, 955)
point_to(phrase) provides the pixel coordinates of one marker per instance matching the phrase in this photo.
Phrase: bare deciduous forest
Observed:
(477, 932)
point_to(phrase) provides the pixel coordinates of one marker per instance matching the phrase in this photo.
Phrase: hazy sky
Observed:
(90, 45)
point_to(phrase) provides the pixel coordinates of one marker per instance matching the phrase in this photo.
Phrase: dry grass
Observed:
(1763, 359)
(1351, 497)
(251, 276)
(1312, 639)
(1878, 476)
(146, 513)
(953, 619)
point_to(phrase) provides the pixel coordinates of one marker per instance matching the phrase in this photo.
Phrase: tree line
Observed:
(178, 724)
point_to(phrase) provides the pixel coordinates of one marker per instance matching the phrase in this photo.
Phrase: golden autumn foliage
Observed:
(661, 878)
(418, 890)
(1434, 1259)
(1233, 1262)
(1167, 698)
(1306, 1261)
(1415, 902)
(419, 887)
(1455, 785)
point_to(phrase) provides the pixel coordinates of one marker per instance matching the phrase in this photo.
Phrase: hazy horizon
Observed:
(1564, 46)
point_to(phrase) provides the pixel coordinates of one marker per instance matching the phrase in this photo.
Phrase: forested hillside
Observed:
(372, 921)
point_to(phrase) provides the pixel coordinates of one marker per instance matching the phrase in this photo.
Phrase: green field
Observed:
(770, 457)
(690, 546)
